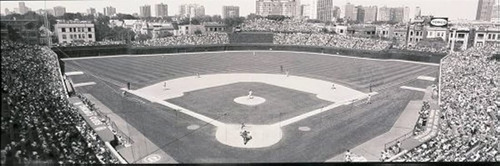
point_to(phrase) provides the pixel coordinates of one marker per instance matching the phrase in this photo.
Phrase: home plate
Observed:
(262, 135)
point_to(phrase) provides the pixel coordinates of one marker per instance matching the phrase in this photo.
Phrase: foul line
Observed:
(191, 113)
(318, 111)
(179, 108)
(307, 115)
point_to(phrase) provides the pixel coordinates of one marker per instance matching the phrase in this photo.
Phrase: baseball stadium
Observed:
(247, 97)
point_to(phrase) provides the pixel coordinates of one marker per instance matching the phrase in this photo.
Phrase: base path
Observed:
(262, 135)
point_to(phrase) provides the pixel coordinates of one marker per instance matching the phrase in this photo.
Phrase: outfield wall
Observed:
(64, 52)
(85, 51)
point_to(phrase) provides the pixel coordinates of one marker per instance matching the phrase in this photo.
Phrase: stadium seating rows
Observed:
(322, 39)
(469, 125)
(206, 39)
(97, 43)
(38, 123)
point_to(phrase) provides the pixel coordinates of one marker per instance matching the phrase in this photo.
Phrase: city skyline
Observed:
(461, 9)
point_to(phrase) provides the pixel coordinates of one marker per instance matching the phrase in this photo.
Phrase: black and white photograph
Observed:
(250, 81)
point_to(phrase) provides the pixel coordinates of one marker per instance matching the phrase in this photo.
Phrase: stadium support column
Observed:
(452, 38)
(407, 37)
(466, 41)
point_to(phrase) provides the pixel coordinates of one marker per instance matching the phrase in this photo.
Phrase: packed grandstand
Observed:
(287, 32)
(40, 126)
(38, 123)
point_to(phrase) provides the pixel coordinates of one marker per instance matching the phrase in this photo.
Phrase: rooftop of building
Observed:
(73, 22)
(214, 24)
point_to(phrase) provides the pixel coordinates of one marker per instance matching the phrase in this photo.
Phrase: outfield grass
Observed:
(355, 73)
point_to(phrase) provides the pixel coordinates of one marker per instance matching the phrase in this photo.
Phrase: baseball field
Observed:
(300, 117)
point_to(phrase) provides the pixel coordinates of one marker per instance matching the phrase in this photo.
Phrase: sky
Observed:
(454, 9)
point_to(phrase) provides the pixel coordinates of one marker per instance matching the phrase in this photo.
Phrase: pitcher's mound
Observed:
(247, 101)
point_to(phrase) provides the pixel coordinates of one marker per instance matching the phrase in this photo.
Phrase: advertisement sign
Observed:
(439, 22)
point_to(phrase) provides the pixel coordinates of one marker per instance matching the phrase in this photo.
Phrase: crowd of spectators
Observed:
(202, 39)
(38, 124)
(96, 43)
(422, 118)
(390, 151)
(291, 38)
(286, 25)
(330, 40)
(422, 48)
(318, 39)
(470, 102)
(300, 32)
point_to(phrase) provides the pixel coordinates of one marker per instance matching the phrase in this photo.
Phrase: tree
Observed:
(195, 21)
(168, 19)
(234, 21)
(253, 16)
(277, 17)
(30, 25)
(436, 43)
(102, 29)
(120, 33)
(384, 22)
(216, 18)
(13, 34)
(205, 18)
(143, 37)
(52, 21)
(121, 17)
(14, 15)
(314, 21)
(324, 30)
(30, 15)
(340, 20)
(183, 21)
(197, 32)
(72, 16)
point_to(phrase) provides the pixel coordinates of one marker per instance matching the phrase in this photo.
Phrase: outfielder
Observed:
(368, 100)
